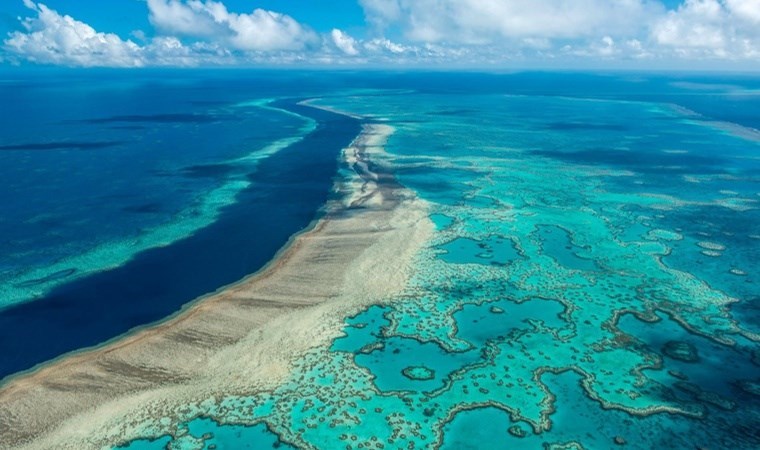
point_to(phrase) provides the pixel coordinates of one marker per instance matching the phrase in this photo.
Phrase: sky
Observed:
(568, 34)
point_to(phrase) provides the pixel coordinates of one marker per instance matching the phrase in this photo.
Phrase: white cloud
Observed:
(170, 51)
(176, 17)
(560, 33)
(607, 47)
(711, 28)
(382, 45)
(697, 23)
(221, 37)
(748, 10)
(260, 30)
(602, 29)
(344, 42)
(488, 21)
(53, 38)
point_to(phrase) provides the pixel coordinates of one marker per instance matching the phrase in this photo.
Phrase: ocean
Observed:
(590, 282)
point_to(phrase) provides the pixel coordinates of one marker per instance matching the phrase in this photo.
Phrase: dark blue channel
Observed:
(287, 192)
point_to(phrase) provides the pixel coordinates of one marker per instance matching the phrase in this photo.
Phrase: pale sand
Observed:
(241, 340)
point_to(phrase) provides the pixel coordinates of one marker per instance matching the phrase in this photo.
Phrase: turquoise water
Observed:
(205, 434)
(590, 284)
(492, 250)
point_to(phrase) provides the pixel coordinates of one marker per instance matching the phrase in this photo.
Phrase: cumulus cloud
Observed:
(344, 42)
(218, 37)
(54, 38)
(697, 23)
(607, 29)
(59, 39)
(488, 21)
(260, 30)
(381, 45)
(342, 48)
(748, 10)
(712, 28)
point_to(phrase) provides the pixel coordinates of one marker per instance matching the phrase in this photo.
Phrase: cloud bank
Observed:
(53, 38)
(411, 32)
(260, 30)
(490, 21)
(721, 29)
(711, 28)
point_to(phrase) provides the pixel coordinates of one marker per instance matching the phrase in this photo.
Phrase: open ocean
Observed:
(592, 281)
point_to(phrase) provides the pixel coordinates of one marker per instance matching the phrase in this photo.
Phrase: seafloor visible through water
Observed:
(592, 281)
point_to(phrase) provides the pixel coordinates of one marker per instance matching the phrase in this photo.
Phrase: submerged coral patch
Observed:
(419, 373)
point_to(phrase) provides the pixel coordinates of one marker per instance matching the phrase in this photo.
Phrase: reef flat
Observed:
(242, 339)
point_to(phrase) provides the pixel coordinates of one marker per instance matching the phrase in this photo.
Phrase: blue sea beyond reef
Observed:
(591, 281)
